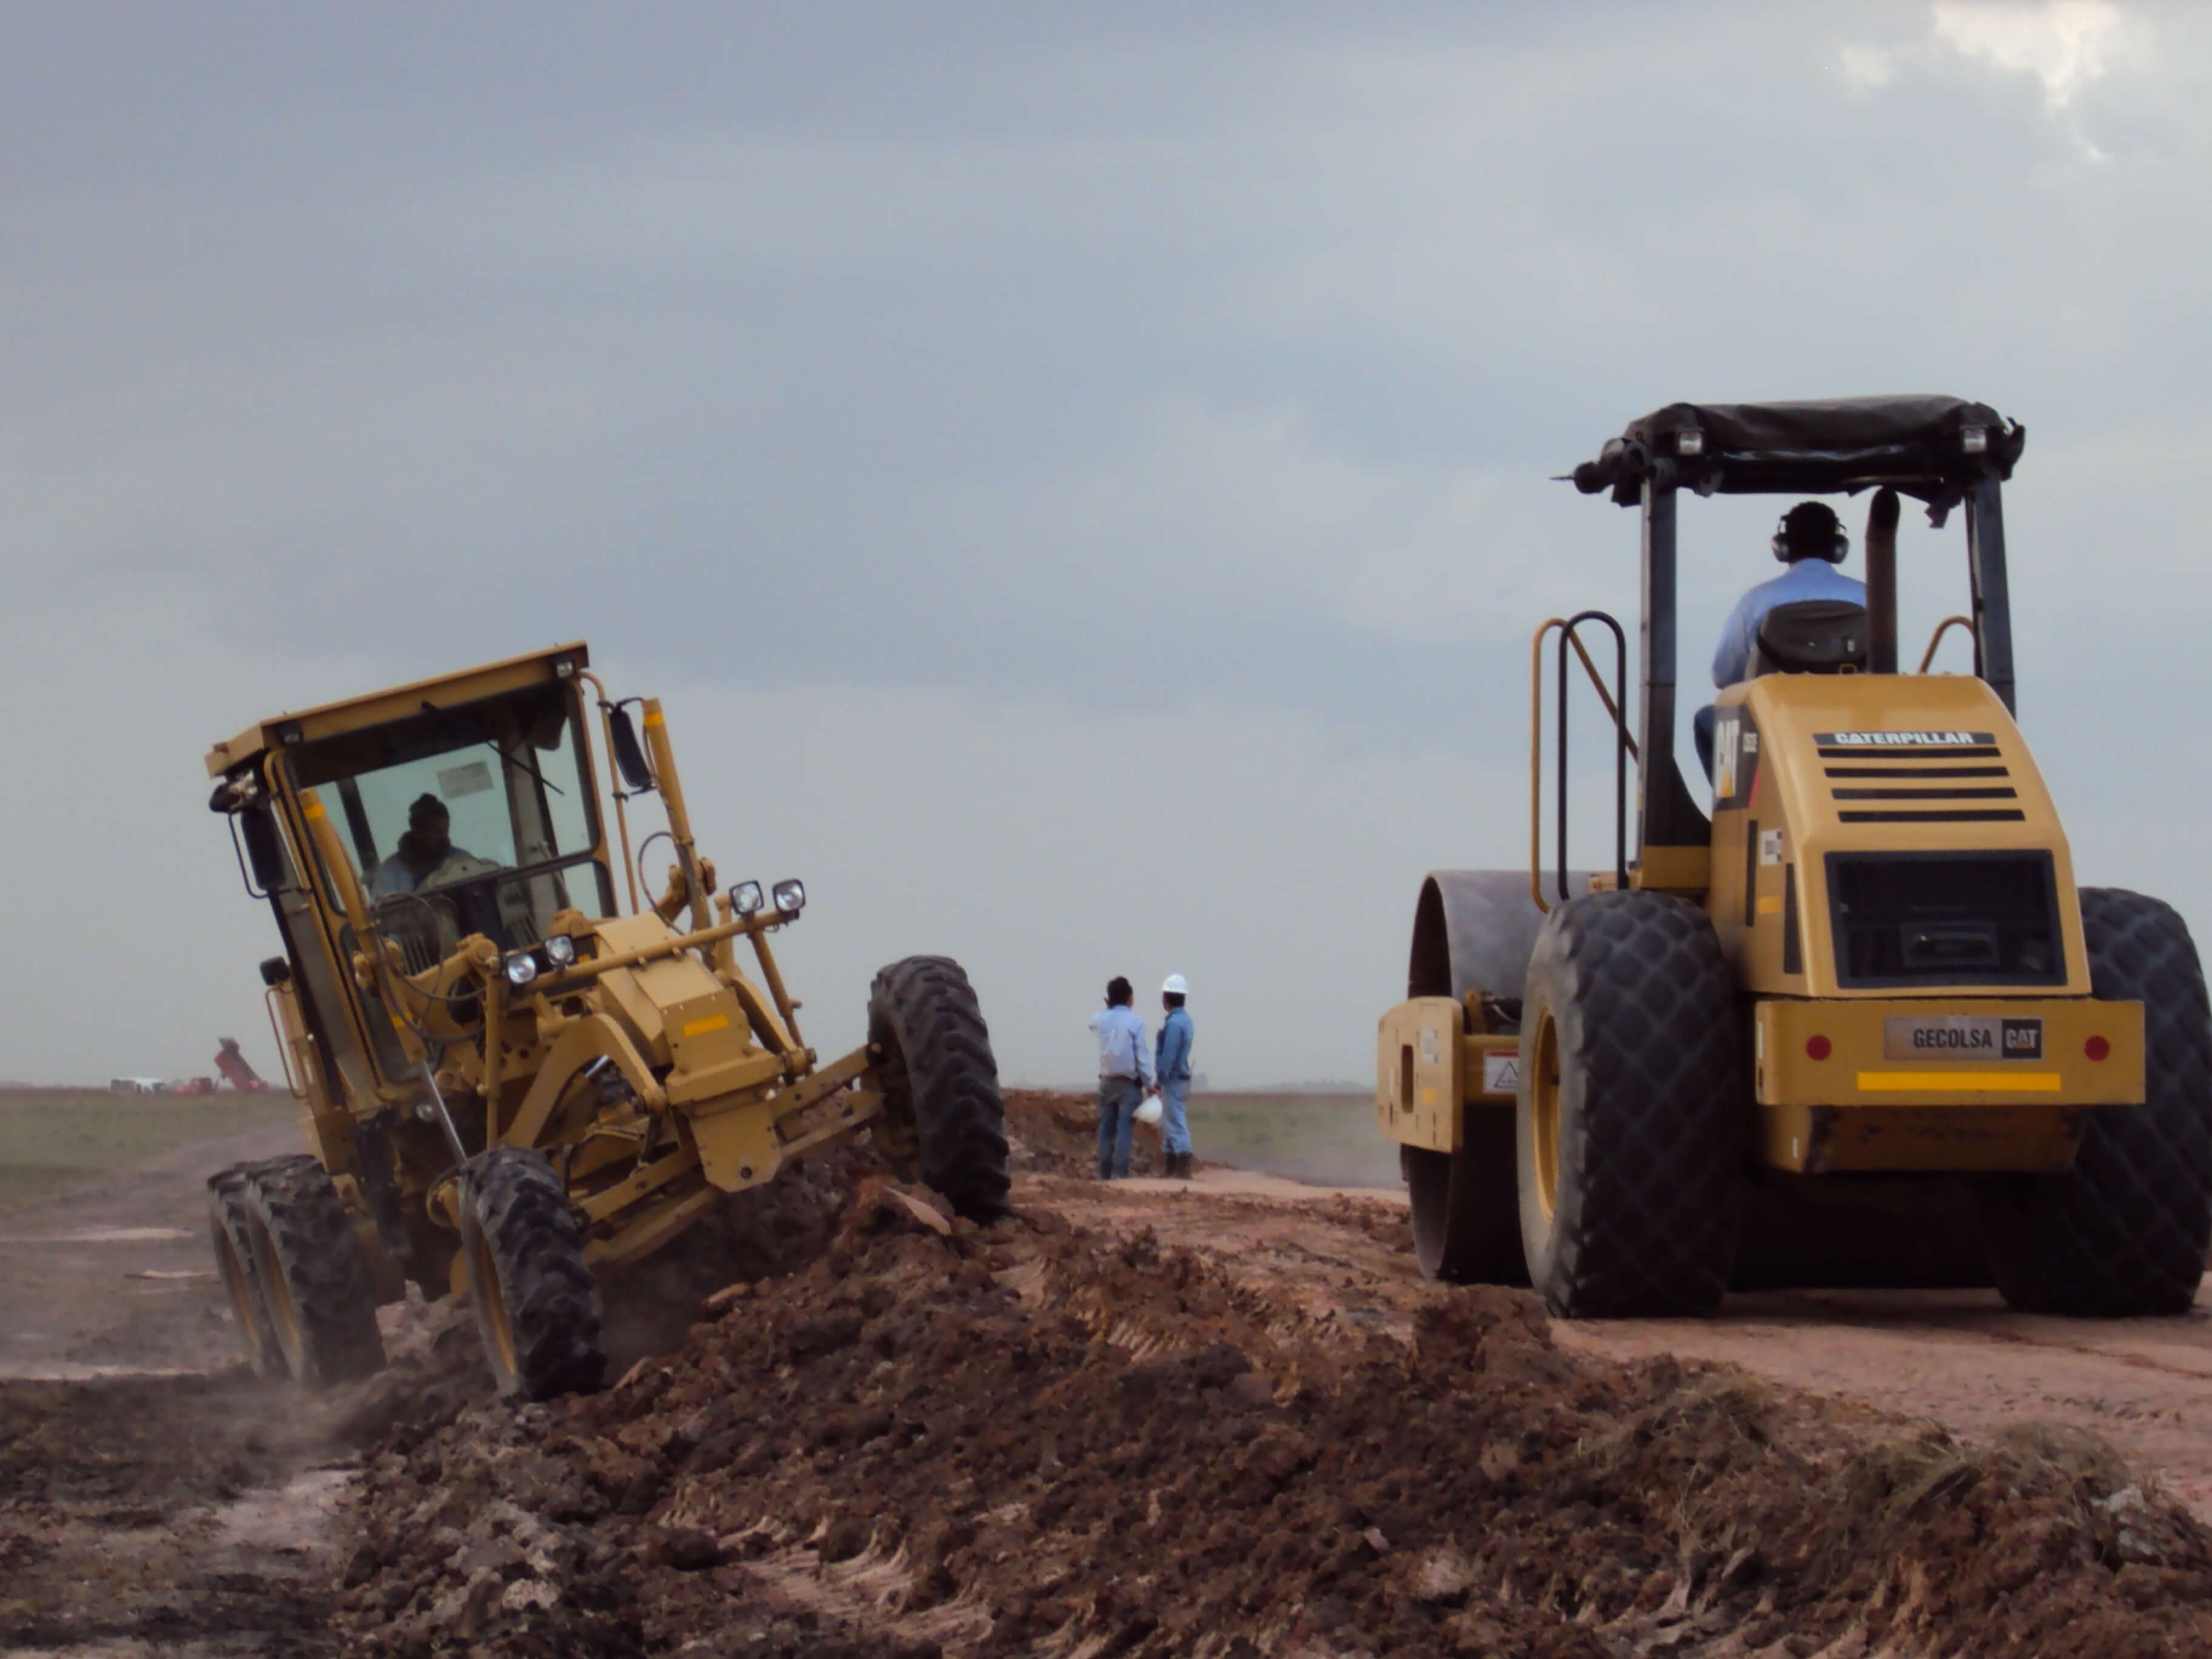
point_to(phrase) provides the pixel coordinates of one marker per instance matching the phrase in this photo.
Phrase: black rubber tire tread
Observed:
(2125, 1233)
(513, 1203)
(298, 1219)
(230, 1232)
(938, 1070)
(1466, 1211)
(1653, 1110)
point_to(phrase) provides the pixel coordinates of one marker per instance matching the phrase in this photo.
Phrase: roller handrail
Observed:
(1941, 628)
(1623, 748)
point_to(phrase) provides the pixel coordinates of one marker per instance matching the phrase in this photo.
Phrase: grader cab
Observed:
(1860, 1003)
(510, 1083)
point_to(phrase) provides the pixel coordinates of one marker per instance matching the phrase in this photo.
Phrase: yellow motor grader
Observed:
(509, 1083)
(1856, 1011)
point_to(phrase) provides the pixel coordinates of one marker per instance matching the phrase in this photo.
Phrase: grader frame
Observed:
(496, 1011)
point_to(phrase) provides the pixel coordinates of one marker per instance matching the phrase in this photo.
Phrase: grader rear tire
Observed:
(938, 1075)
(2124, 1233)
(537, 1308)
(1467, 1214)
(1631, 1120)
(230, 1230)
(310, 1271)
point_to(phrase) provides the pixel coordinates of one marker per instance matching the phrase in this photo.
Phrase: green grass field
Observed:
(52, 1140)
(1328, 1140)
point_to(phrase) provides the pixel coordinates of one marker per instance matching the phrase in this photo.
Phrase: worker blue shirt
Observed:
(1173, 1064)
(1808, 579)
(1124, 1047)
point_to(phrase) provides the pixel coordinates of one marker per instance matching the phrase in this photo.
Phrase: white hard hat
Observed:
(1176, 985)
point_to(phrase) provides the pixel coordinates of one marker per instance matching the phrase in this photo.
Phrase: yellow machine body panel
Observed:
(1932, 1083)
(1849, 810)
(1430, 1069)
(1890, 879)
(1812, 769)
(380, 708)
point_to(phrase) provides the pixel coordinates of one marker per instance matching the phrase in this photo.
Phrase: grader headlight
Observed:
(746, 898)
(790, 896)
(522, 968)
(559, 950)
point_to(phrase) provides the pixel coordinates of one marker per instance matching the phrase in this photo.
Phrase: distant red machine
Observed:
(237, 1071)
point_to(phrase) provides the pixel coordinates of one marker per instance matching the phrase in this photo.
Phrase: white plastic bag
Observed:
(1148, 1109)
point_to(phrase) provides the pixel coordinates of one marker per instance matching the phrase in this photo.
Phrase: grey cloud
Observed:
(1065, 360)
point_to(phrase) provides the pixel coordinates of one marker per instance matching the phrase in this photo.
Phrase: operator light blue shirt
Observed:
(1123, 1050)
(1808, 579)
(1174, 1046)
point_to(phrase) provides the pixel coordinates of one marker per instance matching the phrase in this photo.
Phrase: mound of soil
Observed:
(936, 1439)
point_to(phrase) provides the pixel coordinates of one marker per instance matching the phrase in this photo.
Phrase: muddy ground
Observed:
(1144, 1418)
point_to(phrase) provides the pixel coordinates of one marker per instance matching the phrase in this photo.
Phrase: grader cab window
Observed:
(473, 819)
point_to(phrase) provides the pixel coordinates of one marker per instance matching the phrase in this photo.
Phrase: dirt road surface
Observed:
(115, 1274)
(1150, 1416)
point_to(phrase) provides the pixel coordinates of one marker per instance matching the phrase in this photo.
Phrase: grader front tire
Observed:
(939, 1076)
(537, 1309)
(230, 1229)
(1631, 1124)
(310, 1271)
(2124, 1232)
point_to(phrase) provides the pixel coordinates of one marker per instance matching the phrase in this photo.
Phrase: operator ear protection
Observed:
(1784, 550)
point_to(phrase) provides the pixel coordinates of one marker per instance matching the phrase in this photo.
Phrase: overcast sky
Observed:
(1078, 477)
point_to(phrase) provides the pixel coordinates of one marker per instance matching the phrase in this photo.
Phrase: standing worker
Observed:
(1125, 1072)
(1174, 1073)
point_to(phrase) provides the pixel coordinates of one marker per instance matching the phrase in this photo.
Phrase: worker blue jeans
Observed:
(1701, 732)
(1117, 1124)
(1175, 1127)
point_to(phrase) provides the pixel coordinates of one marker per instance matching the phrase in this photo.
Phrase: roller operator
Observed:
(1810, 540)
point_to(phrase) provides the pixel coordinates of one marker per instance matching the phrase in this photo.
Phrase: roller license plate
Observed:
(1961, 1036)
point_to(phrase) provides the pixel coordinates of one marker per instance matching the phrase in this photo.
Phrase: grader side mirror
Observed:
(629, 754)
(264, 847)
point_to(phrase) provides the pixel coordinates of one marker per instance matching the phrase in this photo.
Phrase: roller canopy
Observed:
(1930, 447)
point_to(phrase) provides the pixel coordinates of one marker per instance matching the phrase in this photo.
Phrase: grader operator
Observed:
(509, 1083)
(1862, 992)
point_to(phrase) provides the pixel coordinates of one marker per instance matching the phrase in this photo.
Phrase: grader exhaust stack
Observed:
(1864, 977)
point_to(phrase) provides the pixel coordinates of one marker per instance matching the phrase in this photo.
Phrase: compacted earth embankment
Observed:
(868, 1428)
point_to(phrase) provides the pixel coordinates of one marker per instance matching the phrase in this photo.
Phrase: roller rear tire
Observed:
(939, 1076)
(310, 1273)
(1632, 1124)
(2124, 1232)
(537, 1308)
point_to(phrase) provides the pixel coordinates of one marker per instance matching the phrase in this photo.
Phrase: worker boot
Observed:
(1179, 1165)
